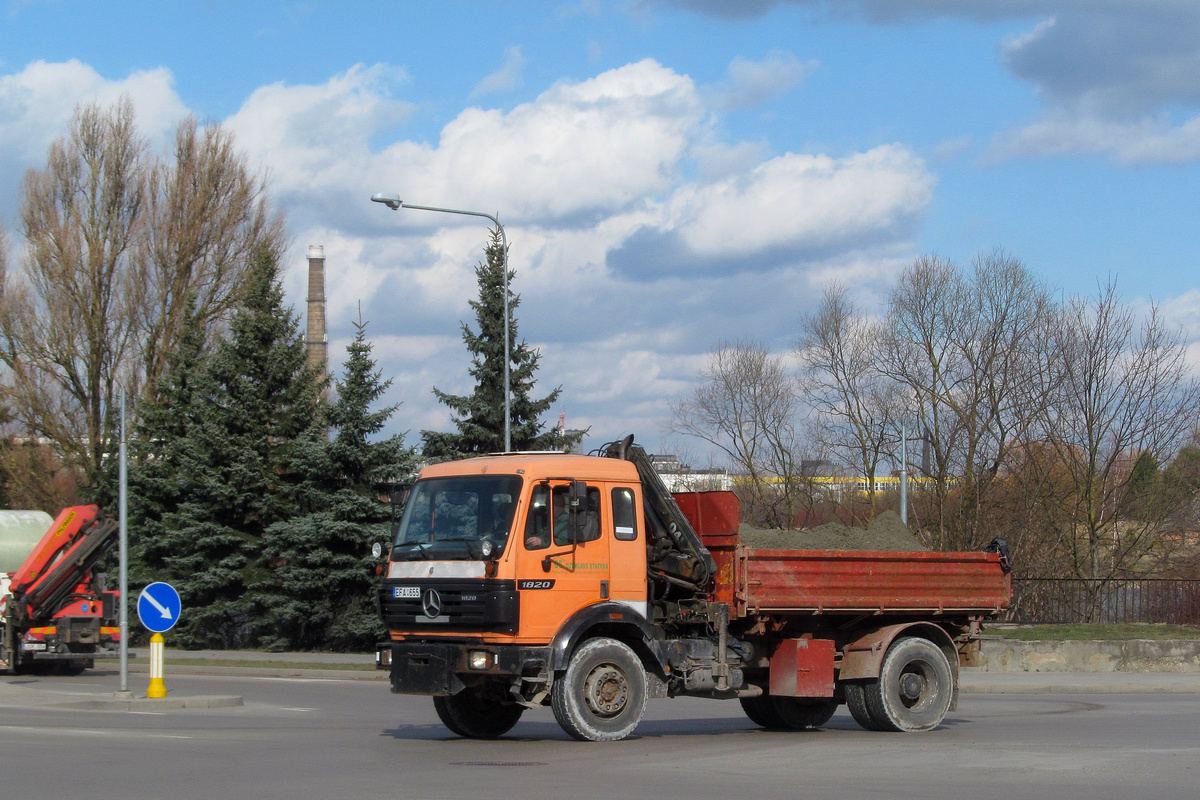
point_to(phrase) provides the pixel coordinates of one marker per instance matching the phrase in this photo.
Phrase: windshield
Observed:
(451, 518)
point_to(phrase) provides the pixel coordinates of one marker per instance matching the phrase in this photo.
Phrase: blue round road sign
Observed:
(158, 607)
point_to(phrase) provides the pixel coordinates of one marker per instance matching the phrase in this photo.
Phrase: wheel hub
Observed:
(912, 686)
(606, 691)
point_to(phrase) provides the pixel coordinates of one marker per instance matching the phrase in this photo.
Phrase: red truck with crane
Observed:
(579, 582)
(56, 613)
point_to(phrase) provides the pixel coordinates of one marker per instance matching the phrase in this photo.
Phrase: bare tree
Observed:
(856, 404)
(118, 244)
(66, 324)
(1124, 400)
(207, 212)
(925, 313)
(970, 349)
(746, 407)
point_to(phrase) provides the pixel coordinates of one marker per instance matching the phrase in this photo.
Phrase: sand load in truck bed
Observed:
(886, 532)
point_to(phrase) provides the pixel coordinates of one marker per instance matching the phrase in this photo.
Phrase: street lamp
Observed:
(394, 202)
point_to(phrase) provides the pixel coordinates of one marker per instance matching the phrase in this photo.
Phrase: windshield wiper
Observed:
(420, 548)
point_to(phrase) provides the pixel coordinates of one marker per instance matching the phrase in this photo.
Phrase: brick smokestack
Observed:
(318, 341)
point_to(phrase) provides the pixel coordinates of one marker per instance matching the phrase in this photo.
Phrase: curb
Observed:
(152, 704)
(1078, 688)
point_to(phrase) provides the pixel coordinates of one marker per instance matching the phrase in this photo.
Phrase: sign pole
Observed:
(122, 514)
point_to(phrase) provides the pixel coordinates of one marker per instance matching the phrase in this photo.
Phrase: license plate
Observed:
(406, 592)
(33, 646)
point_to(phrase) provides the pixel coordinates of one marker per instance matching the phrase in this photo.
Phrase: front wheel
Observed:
(914, 690)
(602, 695)
(478, 712)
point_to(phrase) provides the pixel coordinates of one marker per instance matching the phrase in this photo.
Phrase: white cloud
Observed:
(805, 202)
(1184, 311)
(751, 83)
(1137, 142)
(317, 138)
(37, 103)
(509, 76)
(583, 148)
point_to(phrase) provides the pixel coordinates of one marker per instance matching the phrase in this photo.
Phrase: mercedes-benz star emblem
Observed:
(431, 603)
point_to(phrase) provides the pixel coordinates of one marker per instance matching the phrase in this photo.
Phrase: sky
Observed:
(670, 174)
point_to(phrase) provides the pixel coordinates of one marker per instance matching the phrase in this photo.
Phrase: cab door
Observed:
(558, 573)
(627, 548)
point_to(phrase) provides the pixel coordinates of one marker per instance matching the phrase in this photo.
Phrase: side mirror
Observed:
(577, 496)
(578, 502)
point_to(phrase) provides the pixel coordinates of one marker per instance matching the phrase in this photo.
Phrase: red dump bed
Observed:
(842, 581)
(823, 581)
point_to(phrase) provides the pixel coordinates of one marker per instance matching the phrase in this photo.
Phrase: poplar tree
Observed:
(479, 416)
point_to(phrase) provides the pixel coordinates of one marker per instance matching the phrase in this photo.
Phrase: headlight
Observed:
(480, 659)
(486, 547)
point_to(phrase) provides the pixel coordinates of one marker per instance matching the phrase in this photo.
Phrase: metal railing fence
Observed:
(1076, 600)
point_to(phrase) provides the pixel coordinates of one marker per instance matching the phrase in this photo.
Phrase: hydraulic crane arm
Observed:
(685, 558)
(61, 560)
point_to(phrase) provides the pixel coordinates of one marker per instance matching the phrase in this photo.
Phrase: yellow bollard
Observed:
(157, 688)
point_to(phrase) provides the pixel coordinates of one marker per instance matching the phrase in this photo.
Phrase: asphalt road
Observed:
(297, 739)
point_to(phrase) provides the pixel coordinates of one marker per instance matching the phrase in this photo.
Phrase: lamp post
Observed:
(394, 202)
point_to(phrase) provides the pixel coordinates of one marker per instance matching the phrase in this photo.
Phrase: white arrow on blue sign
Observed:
(158, 607)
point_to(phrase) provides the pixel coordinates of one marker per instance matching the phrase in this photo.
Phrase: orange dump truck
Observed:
(578, 582)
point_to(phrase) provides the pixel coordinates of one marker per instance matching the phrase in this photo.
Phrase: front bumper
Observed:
(445, 668)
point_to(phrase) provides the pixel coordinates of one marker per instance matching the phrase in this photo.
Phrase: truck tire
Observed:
(478, 712)
(856, 701)
(602, 694)
(762, 713)
(804, 713)
(915, 687)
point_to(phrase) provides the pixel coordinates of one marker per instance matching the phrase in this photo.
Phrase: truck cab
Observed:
(497, 560)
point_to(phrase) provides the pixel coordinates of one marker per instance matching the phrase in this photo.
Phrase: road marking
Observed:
(299, 709)
(90, 733)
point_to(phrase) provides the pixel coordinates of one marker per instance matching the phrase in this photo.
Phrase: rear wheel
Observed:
(856, 701)
(478, 712)
(804, 713)
(915, 687)
(762, 713)
(602, 695)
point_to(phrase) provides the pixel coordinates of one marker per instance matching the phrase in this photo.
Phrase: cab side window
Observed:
(550, 518)
(537, 527)
(589, 522)
(624, 514)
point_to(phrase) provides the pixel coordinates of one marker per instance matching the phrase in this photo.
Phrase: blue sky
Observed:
(670, 173)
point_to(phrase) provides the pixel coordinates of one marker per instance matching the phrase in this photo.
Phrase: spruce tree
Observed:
(320, 591)
(212, 462)
(479, 416)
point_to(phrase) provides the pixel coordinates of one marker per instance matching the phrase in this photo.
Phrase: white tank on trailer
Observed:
(20, 531)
